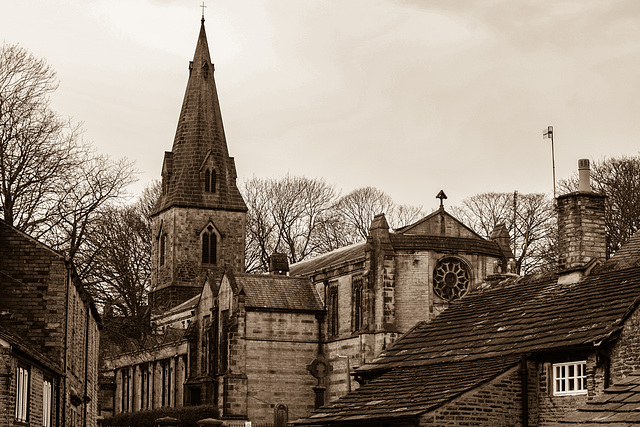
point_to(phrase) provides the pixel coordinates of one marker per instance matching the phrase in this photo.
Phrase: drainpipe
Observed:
(66, 343)
(86, 365)
(524, 384)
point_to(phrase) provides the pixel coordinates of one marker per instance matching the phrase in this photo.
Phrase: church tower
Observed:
(199, 221)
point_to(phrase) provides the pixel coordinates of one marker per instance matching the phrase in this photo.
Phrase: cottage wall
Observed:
(34, 290)
(624, 356)
(497, 403)
(43, 303)
(8, 367)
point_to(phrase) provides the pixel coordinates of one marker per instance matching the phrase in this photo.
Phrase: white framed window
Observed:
(570, 378)
(22, 394)
(47, 395)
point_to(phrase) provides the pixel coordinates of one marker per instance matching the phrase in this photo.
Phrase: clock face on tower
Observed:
(451, 278)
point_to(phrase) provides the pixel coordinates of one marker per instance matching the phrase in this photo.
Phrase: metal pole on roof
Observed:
(549, 134)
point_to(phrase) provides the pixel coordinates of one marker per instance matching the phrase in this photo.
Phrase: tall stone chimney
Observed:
(581, 232)
(278, 264)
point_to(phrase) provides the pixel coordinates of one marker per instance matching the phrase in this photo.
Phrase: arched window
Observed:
(210, 181)
(209, 246)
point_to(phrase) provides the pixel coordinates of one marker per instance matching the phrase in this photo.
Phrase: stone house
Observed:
(517, 351)
(49, 337)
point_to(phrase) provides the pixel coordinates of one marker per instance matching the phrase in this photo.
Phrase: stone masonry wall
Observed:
(414, 297)
(552, 408)
(279, 347)
(8, 387)
(624, 356)
(82, 356)
(183, 249)
(581, 228)
(33, 283)
(497, 404)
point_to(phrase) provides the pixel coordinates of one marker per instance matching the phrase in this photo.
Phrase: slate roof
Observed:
(200, 137)
(408, 392)
(274, 292)
(501, 321)
(329, 260)
(523, 315)
(618, 406)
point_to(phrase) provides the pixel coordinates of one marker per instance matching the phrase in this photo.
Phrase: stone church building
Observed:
(271, 348)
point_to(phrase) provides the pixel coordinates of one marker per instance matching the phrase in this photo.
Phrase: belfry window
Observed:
(210, 181)
(163, 245)
(209, 246)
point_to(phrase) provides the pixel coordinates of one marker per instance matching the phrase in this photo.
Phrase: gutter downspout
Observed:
(524, 384)
(66, 343)
(86, 364)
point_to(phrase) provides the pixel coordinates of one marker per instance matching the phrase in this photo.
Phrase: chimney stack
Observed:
(584, 174)
(581, 231)
(278, 264)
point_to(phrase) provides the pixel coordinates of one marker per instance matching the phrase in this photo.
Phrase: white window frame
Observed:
(22, 394)
(569, 379)
(47, 400)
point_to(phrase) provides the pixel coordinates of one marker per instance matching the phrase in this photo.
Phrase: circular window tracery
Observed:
(451, 279)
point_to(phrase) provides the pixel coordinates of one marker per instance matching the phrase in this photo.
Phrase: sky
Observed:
(409, 96)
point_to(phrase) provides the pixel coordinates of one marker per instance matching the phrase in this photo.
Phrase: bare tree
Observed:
(619, 179)
(87, 192)
(303, 217)
(54, 186)
(357, 209)
(530, 219)
(37, 147)
(285, 215)
(119, 275)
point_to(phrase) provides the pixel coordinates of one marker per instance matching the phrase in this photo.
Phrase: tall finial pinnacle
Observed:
(202, 6)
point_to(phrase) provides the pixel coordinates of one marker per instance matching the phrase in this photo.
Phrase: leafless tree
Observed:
(119, 274)
(357, 209)
(37, 147)
(619, 179)
(530, 219)
(285, 215)
(54, 185)
(303, 217)
(87, 192)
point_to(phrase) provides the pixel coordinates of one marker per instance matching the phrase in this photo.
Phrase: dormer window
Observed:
(209, 246)
(569, 378)
(210, 181)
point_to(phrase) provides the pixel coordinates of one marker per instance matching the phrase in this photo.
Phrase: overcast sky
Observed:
(410, 96)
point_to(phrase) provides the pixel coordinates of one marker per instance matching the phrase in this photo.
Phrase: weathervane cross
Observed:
(202, 6)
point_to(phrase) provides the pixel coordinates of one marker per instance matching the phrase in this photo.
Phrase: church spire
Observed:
(198, 171)
(199, 222)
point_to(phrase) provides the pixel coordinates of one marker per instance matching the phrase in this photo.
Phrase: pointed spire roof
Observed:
(200, 145)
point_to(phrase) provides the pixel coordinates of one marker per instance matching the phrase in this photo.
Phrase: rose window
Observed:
(451, 279)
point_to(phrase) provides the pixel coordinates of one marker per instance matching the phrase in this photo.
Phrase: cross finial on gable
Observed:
(203, 7)
(442, 197)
